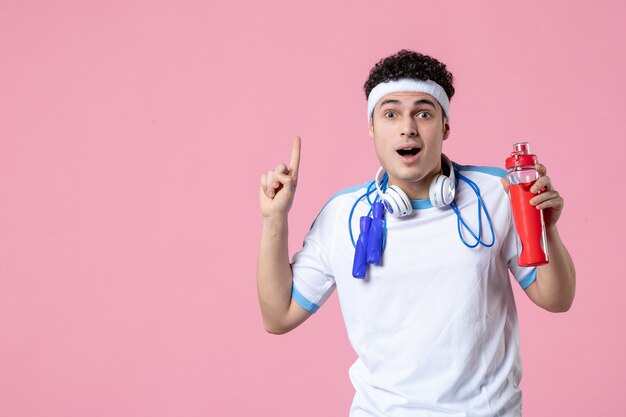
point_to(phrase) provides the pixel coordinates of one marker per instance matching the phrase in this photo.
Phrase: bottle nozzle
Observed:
(522, 148)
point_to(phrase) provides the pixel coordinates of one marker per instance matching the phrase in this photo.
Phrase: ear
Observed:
(446, 129)
(370, 129)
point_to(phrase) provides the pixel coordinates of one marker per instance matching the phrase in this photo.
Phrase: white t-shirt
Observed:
(435, 326)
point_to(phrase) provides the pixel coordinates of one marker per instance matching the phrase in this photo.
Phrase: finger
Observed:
(544, 197)
(541, 169)
(294, 164)
(264, 183)
(553, 203)
(269, 182)
(281, 168)
(272, 182)
(263, 193)
(542, 184)
(505, 183)
(284, 179)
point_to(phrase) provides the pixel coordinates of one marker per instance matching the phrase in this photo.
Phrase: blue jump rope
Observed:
(370, 245)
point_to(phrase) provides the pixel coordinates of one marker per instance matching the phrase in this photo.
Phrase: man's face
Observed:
(408, 131)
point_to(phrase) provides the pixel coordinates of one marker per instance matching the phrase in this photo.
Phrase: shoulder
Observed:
(480, 170)
(486, 180)
(342, 201)
(485, 177)
(348, 195)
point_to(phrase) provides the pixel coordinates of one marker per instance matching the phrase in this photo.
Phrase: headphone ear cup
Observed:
(449, 191)
(441, 191)
(397, 202)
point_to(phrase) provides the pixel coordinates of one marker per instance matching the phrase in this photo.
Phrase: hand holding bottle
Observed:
(548, 199)
(531, 192)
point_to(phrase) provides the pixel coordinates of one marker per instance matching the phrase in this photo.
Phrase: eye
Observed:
(390, 114)
(423, 114)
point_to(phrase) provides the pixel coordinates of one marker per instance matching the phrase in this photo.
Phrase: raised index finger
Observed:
(295, 158)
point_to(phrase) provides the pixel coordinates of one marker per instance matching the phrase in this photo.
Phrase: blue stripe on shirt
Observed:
(302, 300)
(528, 279)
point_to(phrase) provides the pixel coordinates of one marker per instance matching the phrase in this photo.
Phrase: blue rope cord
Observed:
(371, 188)
(481, 207)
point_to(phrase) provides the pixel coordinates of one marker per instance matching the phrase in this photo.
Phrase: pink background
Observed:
(132, 137)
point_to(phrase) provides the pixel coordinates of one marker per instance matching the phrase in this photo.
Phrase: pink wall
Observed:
(132, 136)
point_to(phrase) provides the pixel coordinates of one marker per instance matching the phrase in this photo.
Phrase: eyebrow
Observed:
(415, 103)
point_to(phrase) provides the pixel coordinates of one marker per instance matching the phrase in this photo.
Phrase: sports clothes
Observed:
(435, 326)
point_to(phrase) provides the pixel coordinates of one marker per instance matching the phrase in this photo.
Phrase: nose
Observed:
(409, 129)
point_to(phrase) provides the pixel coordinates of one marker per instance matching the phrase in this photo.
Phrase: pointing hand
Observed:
(278, 186)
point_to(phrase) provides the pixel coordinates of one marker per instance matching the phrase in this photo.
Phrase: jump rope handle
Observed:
(375, 237)
(359, 266)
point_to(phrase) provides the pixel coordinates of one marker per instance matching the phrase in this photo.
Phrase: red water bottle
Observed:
(529, 223)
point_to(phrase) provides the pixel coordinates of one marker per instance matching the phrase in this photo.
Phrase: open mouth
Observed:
(408, 151)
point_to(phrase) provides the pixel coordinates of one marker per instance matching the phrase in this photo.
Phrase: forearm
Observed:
(556, 281)
(274, 276)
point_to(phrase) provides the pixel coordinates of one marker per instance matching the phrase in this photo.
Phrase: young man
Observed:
(434, 323)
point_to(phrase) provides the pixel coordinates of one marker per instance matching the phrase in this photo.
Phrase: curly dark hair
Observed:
(410, 64)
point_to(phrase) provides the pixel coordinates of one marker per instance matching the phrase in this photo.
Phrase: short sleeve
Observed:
(313, 280)
(523, 275)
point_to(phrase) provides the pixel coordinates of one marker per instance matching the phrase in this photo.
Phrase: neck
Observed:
(416, 190)
(419, 190)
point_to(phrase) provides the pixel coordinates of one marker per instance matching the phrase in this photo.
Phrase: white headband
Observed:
(408, 84)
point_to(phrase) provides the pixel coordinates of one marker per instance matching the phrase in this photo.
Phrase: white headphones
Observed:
(441, 192)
